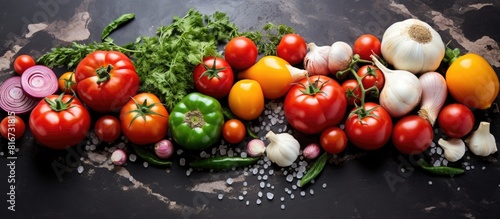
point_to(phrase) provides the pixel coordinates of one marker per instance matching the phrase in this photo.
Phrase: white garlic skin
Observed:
(434, 93)
(316, 60)
(454, 149)
(339, 57)
(283, 150)
(403, 48)
(481, 142)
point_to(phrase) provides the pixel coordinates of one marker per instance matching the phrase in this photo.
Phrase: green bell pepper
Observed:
(196, 121)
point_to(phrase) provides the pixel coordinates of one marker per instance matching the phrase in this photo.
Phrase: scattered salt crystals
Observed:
(294, 165)
(220, 196)
(259, 177)
(299, 175)
(271, 172)
(244, 192)
(264, 177)
(294, 187)
(467, 168)
(324, 185)
(302, 193)
(87, 148)
(120, 145)
(262, 185)
(182, 162)
(285, 172)
(245, 173)
(132, 157)
(214, 151)
(274, 121)
(131, 178)
(1, 153)
(270, 196)
(243, 154)
(240, 198)
(311, 191)
(203, 154)
(458, 189)
(259, 194)
(313, 181)
(341, 126)
(230, 153)
(95, 141)
(80, 169)
(437, 163)
(245, 183)
(430, 182)
(292, 196)
(145, 164)
(403, 170)
(433, 144)
(247, 202)
(433, 150)
(268, 128)
(179, 151)
(283, 207)
(261, 171)
(255, 171)
(268, 185)
(439, 150)
(282, 199)
(92, 147)
(483, 168)
(498, 185)
(229, 181)
(289, 178)
(189, 171)
(222, 151)
(258, 201)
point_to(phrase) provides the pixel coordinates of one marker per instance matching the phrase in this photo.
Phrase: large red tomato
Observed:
(106, 80)
(456, 120)
(412, 135)
(214, 77)
(59, 122)
(314, 104)
(370, 132)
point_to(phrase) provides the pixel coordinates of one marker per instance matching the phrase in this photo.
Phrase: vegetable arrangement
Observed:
(171, 91)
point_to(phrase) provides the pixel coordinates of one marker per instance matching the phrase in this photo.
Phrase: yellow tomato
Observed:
(472, 81)
(246, 99)
(67, 82)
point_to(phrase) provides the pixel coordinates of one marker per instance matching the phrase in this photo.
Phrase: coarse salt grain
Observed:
(430, 182)
(220, 196)
(258, 201)
(283, 207)
(145, 164)
(302, 193)
(324, 185)
(132, 157)
(229, 181)
(80, 169)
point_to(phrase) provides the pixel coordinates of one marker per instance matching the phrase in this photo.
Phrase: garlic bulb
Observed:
(339, 57)
(481, 142)
(434, 92)
(283, 149)
(401, 92)
(412, 45)
(454, 149)
(316, 60)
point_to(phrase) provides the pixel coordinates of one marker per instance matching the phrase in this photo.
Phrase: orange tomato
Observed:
(472, 81)
(67, 82)
(246, 99)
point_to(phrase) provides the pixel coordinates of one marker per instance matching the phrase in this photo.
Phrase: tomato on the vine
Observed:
(292, 48)
(352, 91)
(234, 131)
(12, 127)
(213, 77)
(365, 45)
(108, 128)
(241, 53)
(315, 103)
(333, 140)
(456, 120)
(371, 76)
(412, 135)
(67, 82)
(372, 131)
(23, 62)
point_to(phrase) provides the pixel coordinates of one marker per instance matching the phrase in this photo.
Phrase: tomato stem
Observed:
(58, 105)
(314, 87)
(143, 110)
(103, 73)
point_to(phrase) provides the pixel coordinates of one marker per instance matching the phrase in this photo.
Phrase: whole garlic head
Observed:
(283, 150)
(454, 149)
(481, 142)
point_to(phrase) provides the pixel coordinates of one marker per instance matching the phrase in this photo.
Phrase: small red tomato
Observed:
(292, 48)
(352, 91)
(456, 120)
(365, 45)
(12, 127)
(234, 131)
(241, 53)
(333, 140)
(214, 77)
(412, 135)
(371, 76)
(108, 128)
(22, 63)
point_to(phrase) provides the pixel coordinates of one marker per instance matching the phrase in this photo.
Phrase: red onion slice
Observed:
(39, 81)
(13, 98)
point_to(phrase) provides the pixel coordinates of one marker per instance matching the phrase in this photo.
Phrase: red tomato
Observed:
(371, 132)
(241, 53)
(333, 140)
(456, 120)
(23, 62)
(12, 127)
(352, 91)
(372, 76)
(365, 45)
(412, 135)
(60, 122)
(108, 128)
(292, 48)
(106, 80)
(315, 103)
(234, 131)
(214, 77)
(144, 119)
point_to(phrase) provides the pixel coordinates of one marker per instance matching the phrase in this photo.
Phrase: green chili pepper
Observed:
(439, 170)
(115, 24)
(250, 132)
(220, 163)
(150, 157)
(315, 169)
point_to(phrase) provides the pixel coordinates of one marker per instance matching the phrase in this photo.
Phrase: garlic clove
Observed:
(434, 93)
(454, 149)
(481, 142)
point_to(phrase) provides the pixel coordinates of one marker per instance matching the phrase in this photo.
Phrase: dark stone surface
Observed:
(365, 185)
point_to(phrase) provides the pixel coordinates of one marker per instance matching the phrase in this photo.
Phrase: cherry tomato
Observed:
(12, 127)
(412, 135)
(371, 132)
(22, 63)
(352, 91)
(314, 104)
(372, 76)
(456, 120)
(214, 77)
(67, 82)
(333, 140)
(292, 48)
(108, 128)
(233, 131)
(241, 53)
(246, 99)
(365, 45)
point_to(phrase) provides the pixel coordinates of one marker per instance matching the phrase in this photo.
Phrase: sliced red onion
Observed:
(13, 98)
(39, 81)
